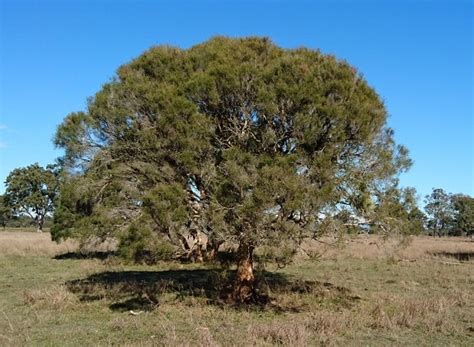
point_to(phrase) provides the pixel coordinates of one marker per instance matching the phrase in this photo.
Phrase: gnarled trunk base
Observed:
(242, 290)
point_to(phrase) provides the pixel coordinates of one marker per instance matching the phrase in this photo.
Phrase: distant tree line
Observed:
(32, 193)
(449, 214)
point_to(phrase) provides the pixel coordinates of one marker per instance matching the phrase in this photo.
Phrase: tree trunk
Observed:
(243, 289)
(212, 248)
(40, 224)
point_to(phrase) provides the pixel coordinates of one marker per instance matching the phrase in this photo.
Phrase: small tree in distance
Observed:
(32, 191)
(233, 140)
(440, 212)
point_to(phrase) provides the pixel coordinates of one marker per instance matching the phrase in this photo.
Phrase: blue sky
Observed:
(418, 55)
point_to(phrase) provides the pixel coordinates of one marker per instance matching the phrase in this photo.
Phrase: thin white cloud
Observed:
(3, 144)
(3, 127)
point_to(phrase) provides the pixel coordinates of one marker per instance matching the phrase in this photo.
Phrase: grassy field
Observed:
(361, 291)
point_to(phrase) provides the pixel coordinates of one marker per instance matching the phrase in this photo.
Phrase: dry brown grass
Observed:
(391, 313)
(31, 243)
(429, 314)
(27, 242)
(56, 297)
(400, 248)
(279, 333)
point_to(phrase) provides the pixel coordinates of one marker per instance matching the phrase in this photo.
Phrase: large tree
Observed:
(232, 140)
(32, 191)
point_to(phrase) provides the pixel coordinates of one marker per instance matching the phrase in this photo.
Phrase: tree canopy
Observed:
(233, 140)
(5, 212)
(31, 191)
(464, 217)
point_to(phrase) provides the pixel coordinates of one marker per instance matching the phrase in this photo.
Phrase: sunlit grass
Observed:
(356, 294)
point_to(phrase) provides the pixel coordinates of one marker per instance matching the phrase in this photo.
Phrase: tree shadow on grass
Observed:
(101, 255)
(144, 290)
(461, 256)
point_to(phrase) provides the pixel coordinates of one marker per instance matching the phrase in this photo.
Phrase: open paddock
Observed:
(361, 290)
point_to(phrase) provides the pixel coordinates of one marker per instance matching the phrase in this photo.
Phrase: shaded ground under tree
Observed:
(143, 290)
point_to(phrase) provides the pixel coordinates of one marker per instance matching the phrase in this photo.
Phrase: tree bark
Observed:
(212, 248)
(243, 290)
(40, 224)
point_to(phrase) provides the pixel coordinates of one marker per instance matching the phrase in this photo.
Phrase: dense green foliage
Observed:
(233, 140)
(31, 191)
(5, 212)
(398, 212)
(464, 217)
